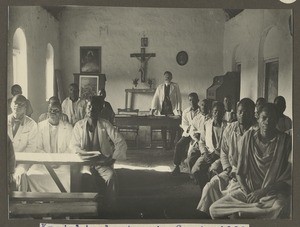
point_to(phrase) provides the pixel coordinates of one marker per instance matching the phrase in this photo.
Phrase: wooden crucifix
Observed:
(143, 57)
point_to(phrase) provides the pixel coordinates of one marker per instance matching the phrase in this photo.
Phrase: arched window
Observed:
(20, 60)
(49, 71)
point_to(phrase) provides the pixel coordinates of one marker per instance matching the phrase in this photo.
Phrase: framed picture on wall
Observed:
(88, 85)
(90, 59)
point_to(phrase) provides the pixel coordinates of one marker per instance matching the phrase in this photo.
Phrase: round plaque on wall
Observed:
(182, 58)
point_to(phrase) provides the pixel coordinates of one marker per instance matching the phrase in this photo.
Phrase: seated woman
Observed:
(208, 162)
(53, 137)
(263, 172)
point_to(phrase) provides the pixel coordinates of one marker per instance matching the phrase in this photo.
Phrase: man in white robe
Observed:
(263, 172)
(22, 131)
(167, 101)
(54, 136)
(97, 140)
(226, 181)
(73, 106)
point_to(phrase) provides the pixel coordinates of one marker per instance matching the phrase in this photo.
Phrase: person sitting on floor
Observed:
(263, 172)
(22, 131)
(45, 116)
(16, 89)
(54, 137)
(229, 115)
(208, 163)
(284, 123)
(224, 182)
(198, 126)
(73, 106)
(187, 118)
(92, 139)
(107, 112)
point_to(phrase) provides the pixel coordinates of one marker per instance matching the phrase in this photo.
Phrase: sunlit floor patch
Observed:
(155, 168)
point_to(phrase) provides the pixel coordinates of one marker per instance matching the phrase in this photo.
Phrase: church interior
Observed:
(136, 46)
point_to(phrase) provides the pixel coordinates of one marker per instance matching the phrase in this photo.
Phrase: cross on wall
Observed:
(143, 57)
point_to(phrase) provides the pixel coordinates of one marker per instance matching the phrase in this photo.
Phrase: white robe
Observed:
(175, 97)
(79, 109)
(38, 177)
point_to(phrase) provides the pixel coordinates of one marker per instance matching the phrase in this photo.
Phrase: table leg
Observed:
(75, 178)
(55, 178)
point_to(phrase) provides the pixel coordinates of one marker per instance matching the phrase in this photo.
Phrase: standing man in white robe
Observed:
(54, 136)
(73, 106)
(22, 131)
(167, 101)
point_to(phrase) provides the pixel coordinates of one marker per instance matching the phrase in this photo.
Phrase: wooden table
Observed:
(49, 159)
(155, 122)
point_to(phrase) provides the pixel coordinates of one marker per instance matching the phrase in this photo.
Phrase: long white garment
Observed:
(75, 111)
(175, 97)
(25, 140)
(51, 139)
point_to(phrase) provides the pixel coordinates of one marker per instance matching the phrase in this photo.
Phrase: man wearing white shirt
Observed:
(97, 140)
(22, 131)
(167, 101)
(187, 118)
(73, 106)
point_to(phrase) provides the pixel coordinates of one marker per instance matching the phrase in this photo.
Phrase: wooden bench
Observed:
(41, 204)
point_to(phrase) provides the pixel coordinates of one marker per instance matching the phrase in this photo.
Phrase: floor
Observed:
(148, 190)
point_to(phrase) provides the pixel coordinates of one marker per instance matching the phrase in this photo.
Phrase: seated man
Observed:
(226, 181)
(73, 106)
(187, 118)
(107, 112)
(45, 116)
(284, 123)
(92, 139)
(22, 131)
(263, 172)
(209, 146)
(17, 90)
(54, 136)
(198, 128)
(229, 115)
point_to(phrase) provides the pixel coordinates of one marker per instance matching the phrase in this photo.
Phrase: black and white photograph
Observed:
(203, 132)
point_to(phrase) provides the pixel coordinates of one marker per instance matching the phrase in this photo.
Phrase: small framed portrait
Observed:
(88, 85)
(90, 59)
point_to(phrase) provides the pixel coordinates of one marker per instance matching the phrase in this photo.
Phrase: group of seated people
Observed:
(75, 126)
(241, 160)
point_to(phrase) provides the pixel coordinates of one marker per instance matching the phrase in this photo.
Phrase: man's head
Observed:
(205, 106)
(218, 111)
(53, 99)
(227, 103)
(193, 99)
(168, 77)
(16, 90)
(268, 118)
(94, 107)
(245, 111)
(54, 112)
(280, 103)
(74, 92)
(260, 102)
(102, 93)
(18, 106)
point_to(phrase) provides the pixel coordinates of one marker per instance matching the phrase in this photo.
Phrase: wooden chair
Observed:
(130, 128)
